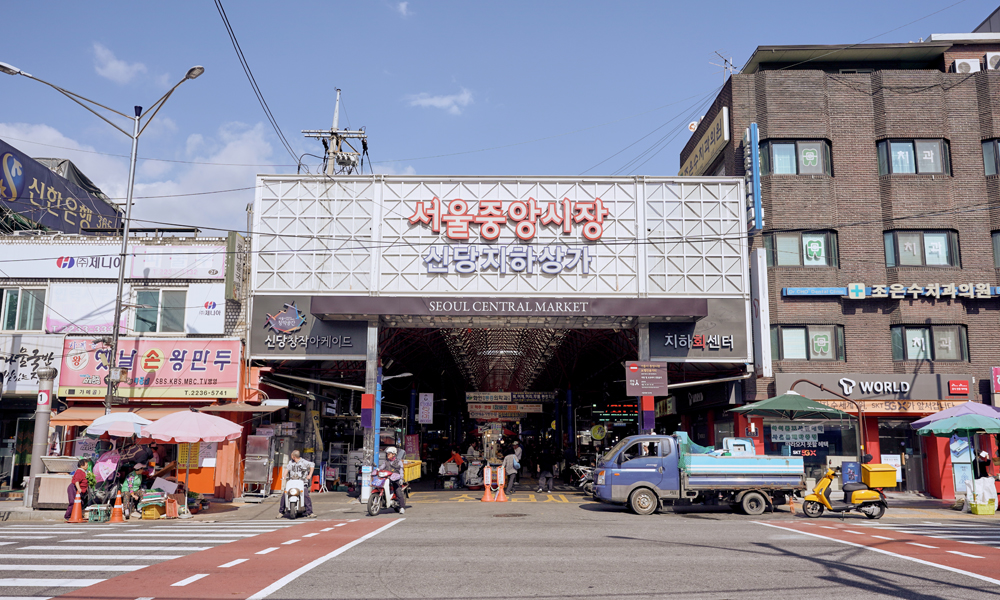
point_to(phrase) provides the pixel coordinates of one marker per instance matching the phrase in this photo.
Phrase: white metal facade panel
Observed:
(663, 237)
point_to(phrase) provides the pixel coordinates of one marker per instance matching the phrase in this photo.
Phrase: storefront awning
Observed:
(240, 407)
(83, 416)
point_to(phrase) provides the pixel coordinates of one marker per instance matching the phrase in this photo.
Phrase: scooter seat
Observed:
(854, 487)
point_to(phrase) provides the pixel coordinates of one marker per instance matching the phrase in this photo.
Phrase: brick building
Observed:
(881, 201)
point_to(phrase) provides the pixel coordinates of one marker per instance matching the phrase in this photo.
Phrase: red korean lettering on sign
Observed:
(457, 215)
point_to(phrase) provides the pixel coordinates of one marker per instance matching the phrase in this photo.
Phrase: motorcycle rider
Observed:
(298, 468)
(394, 463)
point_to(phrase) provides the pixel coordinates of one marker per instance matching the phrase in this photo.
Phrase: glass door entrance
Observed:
(900, 446)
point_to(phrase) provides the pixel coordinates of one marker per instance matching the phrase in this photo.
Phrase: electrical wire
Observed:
(253, 81)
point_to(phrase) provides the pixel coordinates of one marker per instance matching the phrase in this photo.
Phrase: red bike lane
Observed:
(975, 560)
(248, 568)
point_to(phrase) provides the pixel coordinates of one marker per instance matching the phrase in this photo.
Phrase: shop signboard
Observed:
(709, 145)
(29, 189)
(156, 368)
(896, 460)
(644, 378)
(508, 397)
(102, 261)
(760, 313)
(411, 445)
(996, 380)
(425, 414)
(283, 328)
(722, 336)
(20, 358)
(513, 411)
(923, 393)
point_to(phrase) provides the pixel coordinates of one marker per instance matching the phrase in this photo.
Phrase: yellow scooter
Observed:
(857, 496)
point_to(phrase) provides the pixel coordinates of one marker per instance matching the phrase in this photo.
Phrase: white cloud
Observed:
(403, 9)
(163, 80)
(453, 103)
(233, 143)
(119, 71)
(393, 169)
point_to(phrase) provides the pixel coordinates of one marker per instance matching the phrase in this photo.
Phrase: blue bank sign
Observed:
(33, 192)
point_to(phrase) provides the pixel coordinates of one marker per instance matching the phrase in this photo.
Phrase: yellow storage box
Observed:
(878, 476)
(153, 512)
(411, 469)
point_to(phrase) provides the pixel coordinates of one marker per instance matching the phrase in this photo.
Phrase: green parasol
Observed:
(965, 425)
(790, 406)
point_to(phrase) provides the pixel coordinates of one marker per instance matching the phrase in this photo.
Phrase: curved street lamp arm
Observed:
(77, 98)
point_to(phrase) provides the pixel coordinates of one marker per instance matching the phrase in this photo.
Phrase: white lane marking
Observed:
(233, 563)
(267, 551)
(311, 534)
(93, 556)
(7, 543)
(26, 537)
(351, 520)
(886, 552)
(882, 537)
(962, 554)
(77, 583)
(191, 579)
(58, 567)
(327, 529)
(854, 532)
(40, 531)
(159, 541)
(169, 535)
(102, 548)
(827, 527)
(25, 597)
(277, 585)
(921, 545)
(290, 542)
(340, 524)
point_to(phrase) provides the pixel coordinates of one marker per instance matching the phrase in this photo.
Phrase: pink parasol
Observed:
(189, 426)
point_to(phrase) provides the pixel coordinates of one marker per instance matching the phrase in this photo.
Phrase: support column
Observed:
(368, 410)
(412, 417)
(571, 422)
(40, 443)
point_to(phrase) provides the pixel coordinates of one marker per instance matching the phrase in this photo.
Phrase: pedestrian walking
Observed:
(518, 454)
(77, 485)
(545, 469)
(510, 466)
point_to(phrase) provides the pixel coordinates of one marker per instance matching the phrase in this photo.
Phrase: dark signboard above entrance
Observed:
(876, 386)
(720, 337)
(281, 327)
(443, 306)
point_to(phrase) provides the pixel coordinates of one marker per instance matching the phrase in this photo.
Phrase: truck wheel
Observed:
(812, 509)
(643, 502)
(754, 503)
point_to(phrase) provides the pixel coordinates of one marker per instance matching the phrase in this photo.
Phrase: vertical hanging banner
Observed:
(425, 416)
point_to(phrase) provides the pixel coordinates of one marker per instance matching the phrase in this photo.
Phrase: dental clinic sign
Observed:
(870, 387)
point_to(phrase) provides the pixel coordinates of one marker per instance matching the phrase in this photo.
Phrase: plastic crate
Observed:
(411, 469)
(984, 509)
(153, 512)
(878, 476)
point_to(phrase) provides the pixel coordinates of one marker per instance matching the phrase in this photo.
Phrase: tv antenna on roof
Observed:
(727, 66)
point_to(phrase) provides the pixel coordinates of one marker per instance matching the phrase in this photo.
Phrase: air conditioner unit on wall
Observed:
(967, 65)
(992, 61)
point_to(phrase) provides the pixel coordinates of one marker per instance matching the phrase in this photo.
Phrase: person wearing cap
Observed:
(132, 489)
(518, 452)
(298, 468)
(980, 468)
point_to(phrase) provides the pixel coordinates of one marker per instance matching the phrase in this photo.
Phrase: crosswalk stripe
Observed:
(92, 556)
(19, 582)
(26, 537)
(72, 567)
(103, 548)
(130, 540)
(25, 597)
(167, 535)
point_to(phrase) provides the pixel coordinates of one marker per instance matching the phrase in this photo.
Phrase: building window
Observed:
(996, 249)
(23, 309)
(160, 311)
(937, 342)
(914, 156)
(807, 342)
(792, 157)
(801, 249)
(990, 157)
(921, 249)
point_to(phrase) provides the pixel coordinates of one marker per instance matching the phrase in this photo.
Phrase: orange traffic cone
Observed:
(116, 512)
(487, 484)
(77, 515)
(791, 504)
(501, 497)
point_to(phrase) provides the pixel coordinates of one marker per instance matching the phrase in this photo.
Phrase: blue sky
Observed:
(444, 87)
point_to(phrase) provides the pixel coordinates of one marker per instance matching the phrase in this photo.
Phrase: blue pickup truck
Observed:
(647, 472)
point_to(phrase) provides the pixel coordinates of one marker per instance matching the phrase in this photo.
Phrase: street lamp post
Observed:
(193, 73)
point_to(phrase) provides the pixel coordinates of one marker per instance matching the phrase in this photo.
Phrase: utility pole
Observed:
(338, 160)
